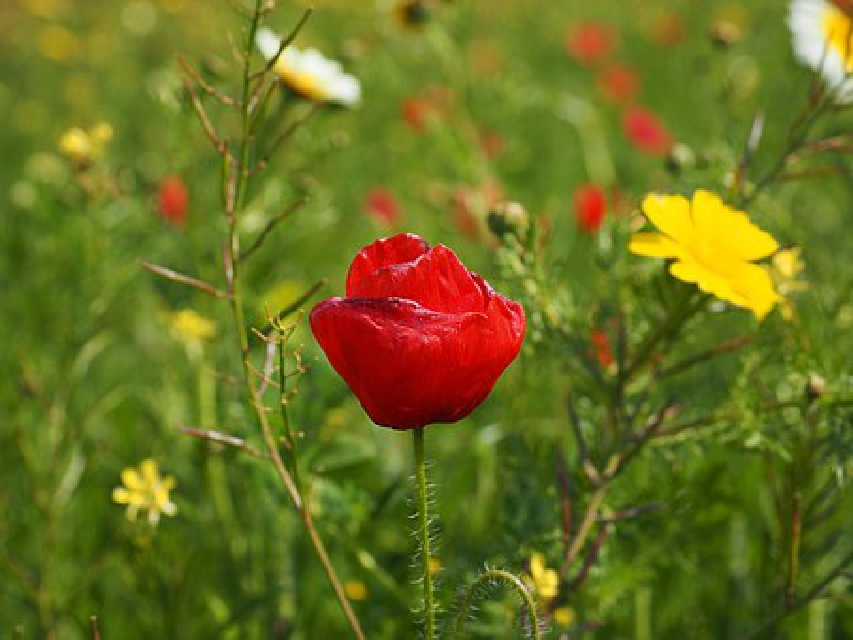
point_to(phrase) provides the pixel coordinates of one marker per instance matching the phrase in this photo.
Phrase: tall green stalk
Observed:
(423, 534)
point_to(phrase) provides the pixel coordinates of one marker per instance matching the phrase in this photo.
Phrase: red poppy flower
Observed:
(416, 112)
(419, 338)
(618, 83)
(382, 205)
(590, 42)
(646, 132)
(590, 206)
(602, 347)
(172, 200)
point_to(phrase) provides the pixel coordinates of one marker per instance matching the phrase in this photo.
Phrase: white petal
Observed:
(268, 43)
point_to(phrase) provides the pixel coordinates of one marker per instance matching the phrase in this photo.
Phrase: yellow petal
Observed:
(150, 473)
(670, 214)
(121, 495)
(729, 232)
(708, 281)
(654, 245)
(130, 478)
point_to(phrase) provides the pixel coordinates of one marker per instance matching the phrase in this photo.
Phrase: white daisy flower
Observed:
(309, 73)
(823, 39)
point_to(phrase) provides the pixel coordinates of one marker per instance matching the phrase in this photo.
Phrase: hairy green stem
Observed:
(423, 534)
(512, 581)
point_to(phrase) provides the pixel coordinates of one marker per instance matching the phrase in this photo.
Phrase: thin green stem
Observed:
(677, 316)
(423, 534)
(512, 581)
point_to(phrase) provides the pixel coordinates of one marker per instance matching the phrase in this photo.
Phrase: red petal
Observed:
(399, 249)
(435, 279)
(410, 366)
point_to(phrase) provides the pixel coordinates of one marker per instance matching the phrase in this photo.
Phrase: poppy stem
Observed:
(512, 581)
(423, 533)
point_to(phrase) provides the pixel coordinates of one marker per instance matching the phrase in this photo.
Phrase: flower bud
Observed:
(815, 387)
(509, 218)
(680, 157)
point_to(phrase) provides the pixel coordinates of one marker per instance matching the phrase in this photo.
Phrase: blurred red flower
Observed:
(590, 42)
(492, 143)
(418, 338)
(602, 347)
(415, 112)
(172, 200)
(381, 204)
(590, 206)
(646, 131)
(618, 83)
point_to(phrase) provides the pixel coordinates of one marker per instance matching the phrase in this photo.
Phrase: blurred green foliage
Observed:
(95, 376)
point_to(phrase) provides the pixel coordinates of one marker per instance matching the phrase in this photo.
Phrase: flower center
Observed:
(838, 29)
(303, 83)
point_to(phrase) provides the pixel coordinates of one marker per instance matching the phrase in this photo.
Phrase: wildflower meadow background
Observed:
(663, 186)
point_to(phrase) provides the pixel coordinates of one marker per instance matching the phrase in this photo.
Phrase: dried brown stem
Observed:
(224, 98)
(225, 439)
(203, 118)
(169, 274)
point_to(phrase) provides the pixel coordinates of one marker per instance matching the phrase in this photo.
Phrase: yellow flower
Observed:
(144, 489)
(75, 144)
(785, 269)
(58, 43)
(83, 146)
(564, 616)
(355, 590)
(434, 565)
(713, 246)
(545, 582)
(190, 327)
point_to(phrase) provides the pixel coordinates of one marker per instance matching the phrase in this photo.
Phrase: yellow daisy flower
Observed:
(823, 40)
(713, 246)
(144, 489)
(84, 146)
(189, 326)
(564, 616)
(544, 582)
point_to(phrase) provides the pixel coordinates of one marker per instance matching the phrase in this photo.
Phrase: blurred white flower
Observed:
(309, 73)
(823, 39)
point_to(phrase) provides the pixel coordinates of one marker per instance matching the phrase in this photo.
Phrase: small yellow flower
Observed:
(713, 246)
(434, 565)
(144, 489)
(544, 582)
(564, 616)
(355, 590)
(785, 269)
(75, 144)
(190, 327)
(84, 146)
(58, 43)
(101, 134)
